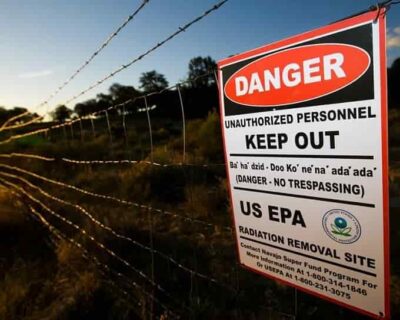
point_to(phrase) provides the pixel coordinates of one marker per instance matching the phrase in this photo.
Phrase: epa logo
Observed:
(341, 226)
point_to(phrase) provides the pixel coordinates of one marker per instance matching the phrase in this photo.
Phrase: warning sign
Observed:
(305, 135)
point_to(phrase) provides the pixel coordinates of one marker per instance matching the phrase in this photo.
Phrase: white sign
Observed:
(305, 135)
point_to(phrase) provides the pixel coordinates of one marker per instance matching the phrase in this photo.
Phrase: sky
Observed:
(42, 42)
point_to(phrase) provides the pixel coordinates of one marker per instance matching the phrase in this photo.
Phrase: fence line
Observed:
(12, 119)
(38, 131)
(125, 161)
(116, 234)
(94, 114)
(115, 199)
(158, 45)
(21, 125)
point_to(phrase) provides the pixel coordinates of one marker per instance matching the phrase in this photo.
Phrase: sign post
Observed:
(305, 136)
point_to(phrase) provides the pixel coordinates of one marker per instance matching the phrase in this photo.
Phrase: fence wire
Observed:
(96, 53)
(117, 234)
(92, 258)
(117, 200)
(84, 232)
(140, 57)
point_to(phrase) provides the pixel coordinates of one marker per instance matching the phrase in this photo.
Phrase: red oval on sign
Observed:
(297, 75)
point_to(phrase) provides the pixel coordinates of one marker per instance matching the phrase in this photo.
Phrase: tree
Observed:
(104, 101)
(121, 93)
(61, 113)
(199, 66)
(152, 81)
(84, 108)
(6, 114)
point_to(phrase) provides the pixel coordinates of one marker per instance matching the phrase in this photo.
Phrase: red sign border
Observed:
(377, 16)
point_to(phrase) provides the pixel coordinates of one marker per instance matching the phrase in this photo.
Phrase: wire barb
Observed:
(94, 54)
(118, 235)
(159, 44)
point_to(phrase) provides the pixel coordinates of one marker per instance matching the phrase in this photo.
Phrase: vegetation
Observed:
(45, 276)
(152, 81)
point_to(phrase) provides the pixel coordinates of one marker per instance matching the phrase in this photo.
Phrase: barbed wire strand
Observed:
(12, 119)
(21, 125)
(118, 235)
(26, 155)
(106, 162)
(115, 199)
(126, 161)
(95, 54)
(91, 238)
(158, 45)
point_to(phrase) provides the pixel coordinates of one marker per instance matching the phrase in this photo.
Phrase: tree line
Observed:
(200, 95)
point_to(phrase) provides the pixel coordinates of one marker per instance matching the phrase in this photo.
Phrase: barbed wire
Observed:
(115, 233)
(158, 45)
(118, 200)
(12, 119)
(84, 232)
(37, 131)
(27, 156)
(21, 125)
(106, 162)
(96, 53)
(125, 161)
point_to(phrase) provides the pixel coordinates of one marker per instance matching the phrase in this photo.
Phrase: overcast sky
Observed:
(44, 41)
